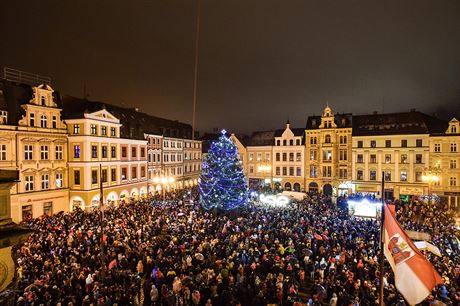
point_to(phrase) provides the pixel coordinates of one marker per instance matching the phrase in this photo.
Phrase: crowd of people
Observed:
(171, 252)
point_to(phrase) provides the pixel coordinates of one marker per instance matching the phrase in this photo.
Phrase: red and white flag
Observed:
(415, 277)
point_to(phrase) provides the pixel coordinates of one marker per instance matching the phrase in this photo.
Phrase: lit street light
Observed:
(165, 181)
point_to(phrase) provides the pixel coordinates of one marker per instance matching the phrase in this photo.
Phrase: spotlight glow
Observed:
(364, 208)
(275, 200)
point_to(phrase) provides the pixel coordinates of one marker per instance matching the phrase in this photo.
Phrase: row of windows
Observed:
(94, 130)
(190, 155)
(290, 143)
(298, 156)
(192, 168)
(45, 181)
(403, 177)
(43, 121)
(172, 158)
(403, 159)
(259, 157)
(328, 155)
(44, 152)
(172, 144)
(195, 145)
(113, 174)
(298, 171)
(343, 139)
(388, 143)
(27, 210)
(104, 151)
(453, 147)
(327, 172)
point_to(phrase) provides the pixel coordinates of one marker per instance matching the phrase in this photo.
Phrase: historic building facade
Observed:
(192, 162)
(328, 153)
(98, 155)
(443, 173)
(33, 140)
(396, 146)
(62, 161)
(260, 159)
(288, 159)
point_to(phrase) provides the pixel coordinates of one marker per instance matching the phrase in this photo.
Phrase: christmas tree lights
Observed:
(222, 183)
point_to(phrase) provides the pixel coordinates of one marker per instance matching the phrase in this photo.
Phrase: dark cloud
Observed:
(261, 61)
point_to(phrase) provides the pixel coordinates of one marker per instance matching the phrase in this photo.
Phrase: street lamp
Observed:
(265, 169)
(164, 181)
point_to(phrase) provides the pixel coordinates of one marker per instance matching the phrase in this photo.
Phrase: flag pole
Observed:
(382, 244)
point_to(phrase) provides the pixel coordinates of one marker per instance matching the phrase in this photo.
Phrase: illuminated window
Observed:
(373, 159)
(76, 177)
(373, 175)
(94, 151)
(44, 152)
(59, 152)
(3, 152)
(43, 121)
(76, 151)
(45, 181)
(59, 180)
(387, 176)
(403, 176)
(404, 159)
(29, 183)
(28, 152)
(94, 176)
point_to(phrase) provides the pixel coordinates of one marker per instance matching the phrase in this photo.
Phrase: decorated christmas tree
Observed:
(222, 182)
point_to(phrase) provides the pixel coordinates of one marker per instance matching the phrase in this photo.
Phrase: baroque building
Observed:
(260, 159)
(33, 140)
(328, 153)
(396, 146)
(443, 173)
(100, 157)
(288, 161)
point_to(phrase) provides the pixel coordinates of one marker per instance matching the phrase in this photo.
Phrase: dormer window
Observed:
(453, 129)
(54, 122)
(32, 119)
(3, 117)
(43, 121)
(42, 100)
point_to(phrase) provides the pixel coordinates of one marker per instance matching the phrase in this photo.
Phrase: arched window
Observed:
(43, 122)
(327, 139)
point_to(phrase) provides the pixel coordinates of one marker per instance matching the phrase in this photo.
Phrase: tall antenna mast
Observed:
(195, 77)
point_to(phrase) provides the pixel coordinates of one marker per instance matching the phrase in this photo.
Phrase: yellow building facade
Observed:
(288, 159)
(328, 153)
(33, 140)
(96, 152)
(443, 175)
(396, 146)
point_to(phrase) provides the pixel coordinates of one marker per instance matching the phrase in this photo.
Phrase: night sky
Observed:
(261, 61)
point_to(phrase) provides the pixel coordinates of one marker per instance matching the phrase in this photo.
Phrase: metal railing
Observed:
(24, 77)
